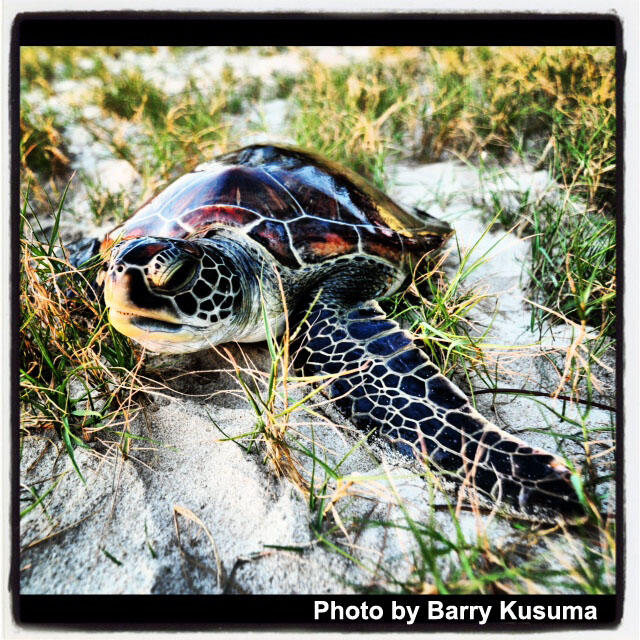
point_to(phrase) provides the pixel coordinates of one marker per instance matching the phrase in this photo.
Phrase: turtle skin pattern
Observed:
(383, 381)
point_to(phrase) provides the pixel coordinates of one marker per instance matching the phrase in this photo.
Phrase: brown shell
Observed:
(303, 208)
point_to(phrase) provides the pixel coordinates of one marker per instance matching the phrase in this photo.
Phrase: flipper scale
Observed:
(395, 388)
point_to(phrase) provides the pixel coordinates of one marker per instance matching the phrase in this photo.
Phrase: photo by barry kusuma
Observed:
(328, 320)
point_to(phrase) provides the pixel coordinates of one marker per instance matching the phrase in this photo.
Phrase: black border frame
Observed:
(195, 28)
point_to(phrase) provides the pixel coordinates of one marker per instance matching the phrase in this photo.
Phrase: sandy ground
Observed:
(188, 512)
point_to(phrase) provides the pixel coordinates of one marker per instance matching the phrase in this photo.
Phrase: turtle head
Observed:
(172, 295)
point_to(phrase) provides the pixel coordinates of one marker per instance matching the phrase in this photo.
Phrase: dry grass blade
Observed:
(186, 513)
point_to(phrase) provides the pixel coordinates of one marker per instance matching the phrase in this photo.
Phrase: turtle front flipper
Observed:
(393, 387)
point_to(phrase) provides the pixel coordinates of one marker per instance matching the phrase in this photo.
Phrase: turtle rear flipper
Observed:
(81, 251)
(393, 387)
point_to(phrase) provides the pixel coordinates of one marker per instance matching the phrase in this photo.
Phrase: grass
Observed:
(72, 363)
(268, 395)
(43, 152)
(106, 203)
(440, 308)
(565, 109)
(42, 148)
(128, 94)
(551, 108)
(351, 114)
(41, 65)
(162, 137)
(564, 119)
(573, 265)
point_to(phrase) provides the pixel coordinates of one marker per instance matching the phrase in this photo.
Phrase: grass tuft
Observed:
(128, 94)
(351, 114)
(72, 363)
(573, 266)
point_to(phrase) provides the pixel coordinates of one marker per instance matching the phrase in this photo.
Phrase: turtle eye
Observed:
(174, 276)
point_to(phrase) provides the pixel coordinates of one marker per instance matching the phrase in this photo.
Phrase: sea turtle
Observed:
(194, 267)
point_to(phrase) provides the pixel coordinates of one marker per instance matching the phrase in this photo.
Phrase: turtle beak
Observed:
(126, 292)
(140, 284)
(129, 301)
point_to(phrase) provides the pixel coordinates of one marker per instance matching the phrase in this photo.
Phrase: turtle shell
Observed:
(303, 208)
